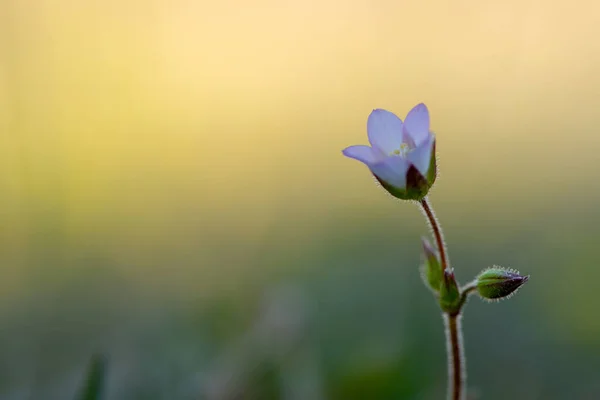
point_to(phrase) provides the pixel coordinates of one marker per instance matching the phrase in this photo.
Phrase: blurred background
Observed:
(174, 200)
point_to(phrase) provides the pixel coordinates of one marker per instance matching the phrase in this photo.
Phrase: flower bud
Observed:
(431, 269)
(498, 282)
(449, 293)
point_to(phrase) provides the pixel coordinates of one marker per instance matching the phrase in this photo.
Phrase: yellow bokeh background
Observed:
(239, 111)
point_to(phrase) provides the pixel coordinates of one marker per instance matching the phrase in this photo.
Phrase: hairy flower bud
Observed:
(431, 269)
(497, 282)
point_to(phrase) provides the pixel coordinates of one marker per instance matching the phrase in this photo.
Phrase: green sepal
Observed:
(417, 185)
(431, 269)
(432, 171)
(450, 299)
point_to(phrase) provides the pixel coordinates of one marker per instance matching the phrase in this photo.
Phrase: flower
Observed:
(402, 155)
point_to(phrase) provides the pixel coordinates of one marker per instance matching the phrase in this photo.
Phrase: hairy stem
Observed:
(465, 291)
(456, 359)
(437, 232)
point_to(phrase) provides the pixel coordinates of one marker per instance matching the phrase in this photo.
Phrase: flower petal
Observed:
(416, 124)
(392, 170)
(384, 130)
(361, 153)
(421, 156)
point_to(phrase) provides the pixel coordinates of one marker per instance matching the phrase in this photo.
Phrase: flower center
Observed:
(402, 151)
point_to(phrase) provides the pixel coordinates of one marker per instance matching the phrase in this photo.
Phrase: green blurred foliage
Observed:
(93, 386)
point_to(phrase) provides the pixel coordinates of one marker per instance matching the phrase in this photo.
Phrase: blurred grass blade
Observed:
(94, 383)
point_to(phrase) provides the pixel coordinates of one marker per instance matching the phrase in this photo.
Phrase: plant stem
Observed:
(456, 359)
(437, 232)
(465, 291)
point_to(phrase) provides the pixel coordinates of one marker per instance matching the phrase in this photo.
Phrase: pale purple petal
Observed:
(361, 153)
(416, 124)
(392, 170)
(421, 156)
(384, 130)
